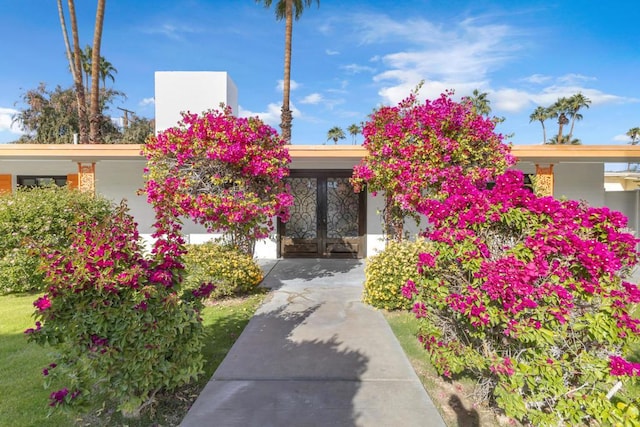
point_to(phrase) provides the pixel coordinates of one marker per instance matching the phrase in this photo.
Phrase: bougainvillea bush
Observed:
(529, 294)
(221, 171)
(412, 144)
(121, 325)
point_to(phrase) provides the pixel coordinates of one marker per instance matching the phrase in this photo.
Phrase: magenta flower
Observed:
(618, 366)
(57, 397)
(42, 303)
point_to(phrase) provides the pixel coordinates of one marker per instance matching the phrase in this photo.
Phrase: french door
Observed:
(327, 218)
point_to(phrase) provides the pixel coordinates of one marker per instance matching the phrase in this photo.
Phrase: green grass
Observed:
(24, 401)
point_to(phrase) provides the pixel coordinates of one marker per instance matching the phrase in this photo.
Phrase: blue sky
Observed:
(351, 56)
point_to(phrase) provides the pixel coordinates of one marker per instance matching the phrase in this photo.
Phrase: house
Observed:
(328, 219)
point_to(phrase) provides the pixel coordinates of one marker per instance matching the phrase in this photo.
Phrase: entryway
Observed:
(327, 218)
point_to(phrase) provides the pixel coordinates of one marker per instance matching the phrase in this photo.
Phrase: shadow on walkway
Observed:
(279, 379)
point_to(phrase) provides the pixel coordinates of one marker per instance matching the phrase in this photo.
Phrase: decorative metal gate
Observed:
(327, 218)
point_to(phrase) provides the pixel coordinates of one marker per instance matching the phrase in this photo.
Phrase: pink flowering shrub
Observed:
(529, 295)
(221, 171)
(411, 145)
(121, 324)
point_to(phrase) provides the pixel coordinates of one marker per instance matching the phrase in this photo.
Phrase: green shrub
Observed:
(387, 272)
(122, 326)
(34, 219)
(230, 270)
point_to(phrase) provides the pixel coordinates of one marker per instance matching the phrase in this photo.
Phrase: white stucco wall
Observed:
(194, 91)
(580, 181)
(118, 179)
(37, 167)
(627, 202)
(576, 181)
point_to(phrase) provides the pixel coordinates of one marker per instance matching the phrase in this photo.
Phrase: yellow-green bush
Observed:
(32, 219)
(231, 271)
(388, 271)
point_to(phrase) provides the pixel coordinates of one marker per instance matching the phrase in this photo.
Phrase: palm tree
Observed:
(95, 113)
(575, 103)
(564, 141)
(560, 110)
(634, 134)
(74, 55)
(480, 103)
(354, 130)
(541, 114)
(335, 133)
(106, 68)
(287, 10)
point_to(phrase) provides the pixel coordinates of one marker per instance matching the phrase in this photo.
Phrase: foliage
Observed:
(335, 133)
(411, 144)
(37, 218)
(136, 131)
(387, 272)
(565, 110)
(634, 135)
(230, 270)
(354, 130)
(21, 366)
(121, 325)
(51, 117)
(221, 171)
(528, 294)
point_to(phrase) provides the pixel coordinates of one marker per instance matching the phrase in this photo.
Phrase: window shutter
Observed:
(72, 180)
(6, 183)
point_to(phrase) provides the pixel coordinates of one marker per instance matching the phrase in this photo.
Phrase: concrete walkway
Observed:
(314, 355)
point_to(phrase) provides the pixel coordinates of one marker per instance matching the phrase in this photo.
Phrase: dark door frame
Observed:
(324, 174)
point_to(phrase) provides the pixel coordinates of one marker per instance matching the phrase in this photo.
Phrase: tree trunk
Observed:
(287, 117)
(393, 221)
(562, 120)
(65, 36)
(95, 113)
(573, 121)
(544, 133)
(77, 77)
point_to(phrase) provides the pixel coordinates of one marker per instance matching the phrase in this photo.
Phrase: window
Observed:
(31, 181)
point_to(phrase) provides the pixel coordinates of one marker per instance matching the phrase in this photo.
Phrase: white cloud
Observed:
(355, 68)
(6, 121)
(462, 56)
(515, 100)
(510, 100)
(172, 31)
(293, 85)
(147, 101)
(622, 138)
(537, 79)
(331, 52)
(572, 79)
(453, 57)
(314, 98)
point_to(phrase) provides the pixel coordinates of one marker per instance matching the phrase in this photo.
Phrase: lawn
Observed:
(24, 400)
